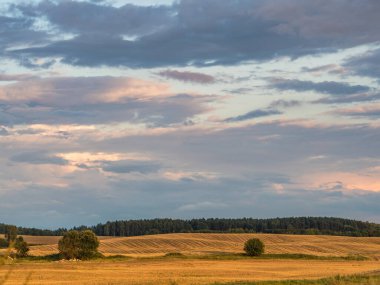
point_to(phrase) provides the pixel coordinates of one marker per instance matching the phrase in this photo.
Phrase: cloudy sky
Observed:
(196, 108)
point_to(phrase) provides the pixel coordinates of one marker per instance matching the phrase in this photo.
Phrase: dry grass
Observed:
(231, 243)
(183, 272)
(176, 270)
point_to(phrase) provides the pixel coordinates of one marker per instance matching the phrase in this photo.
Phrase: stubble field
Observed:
(205, 259)
(224, 243)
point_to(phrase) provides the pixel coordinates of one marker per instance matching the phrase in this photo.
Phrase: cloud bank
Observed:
(188, 32)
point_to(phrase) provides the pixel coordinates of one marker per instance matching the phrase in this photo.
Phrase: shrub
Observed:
(3, 243)
(69, 245)
(254, 247)
(79, 245)
(174, 254)
(21, 247)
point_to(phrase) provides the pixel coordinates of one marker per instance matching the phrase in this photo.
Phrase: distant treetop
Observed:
(293, 225)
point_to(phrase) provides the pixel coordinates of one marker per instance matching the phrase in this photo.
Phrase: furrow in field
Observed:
(206, 243)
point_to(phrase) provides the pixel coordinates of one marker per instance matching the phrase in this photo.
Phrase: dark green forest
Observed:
(293, 225)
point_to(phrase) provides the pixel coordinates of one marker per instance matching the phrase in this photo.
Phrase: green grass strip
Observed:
(373, 279)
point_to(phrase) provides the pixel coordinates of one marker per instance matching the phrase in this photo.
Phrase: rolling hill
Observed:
(200, 243)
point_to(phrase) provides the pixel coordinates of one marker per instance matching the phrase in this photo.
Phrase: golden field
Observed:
(182, 272)
(224, 243)
(148, 266)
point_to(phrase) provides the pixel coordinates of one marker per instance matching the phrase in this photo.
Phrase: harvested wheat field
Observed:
(182, 272)
(200, 262)
(230, 243)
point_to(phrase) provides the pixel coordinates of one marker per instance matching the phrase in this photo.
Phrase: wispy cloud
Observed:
(364, 97)
(284, 104)
(367, 64)
(253, 114)
(38, 157)
(369, 111)
(188, 76)
(326, 87)
(131, 166)
(328, 68)
(97, 100)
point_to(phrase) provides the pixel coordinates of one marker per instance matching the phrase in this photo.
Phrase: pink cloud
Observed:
(66, 91)
(345, 181)
(372, 110)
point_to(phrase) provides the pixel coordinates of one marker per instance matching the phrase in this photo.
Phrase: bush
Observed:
(79, 245)
(3, 243)
(21, 247)
(254, 247)
(174, 254)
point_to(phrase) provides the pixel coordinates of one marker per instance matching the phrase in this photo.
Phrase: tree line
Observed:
(293, 225)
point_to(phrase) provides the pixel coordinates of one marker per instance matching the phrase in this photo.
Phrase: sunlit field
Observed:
(223, 243)
(203, 259)
(182, 271)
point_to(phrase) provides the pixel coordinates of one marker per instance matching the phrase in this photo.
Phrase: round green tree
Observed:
(254, 247)
(89, 245)
(78, 245)
(69, 245)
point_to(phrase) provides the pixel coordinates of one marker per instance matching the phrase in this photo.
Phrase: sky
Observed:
(116, 109)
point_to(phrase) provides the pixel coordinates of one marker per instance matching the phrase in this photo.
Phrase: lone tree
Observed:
(78, 245)
(21, 247)
(254, 247)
